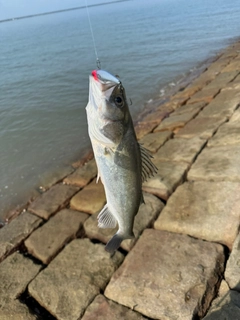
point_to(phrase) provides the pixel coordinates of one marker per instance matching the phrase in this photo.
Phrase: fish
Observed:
(122, 163)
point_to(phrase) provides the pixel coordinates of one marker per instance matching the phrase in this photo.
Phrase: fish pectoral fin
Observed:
(148, 167)
(106, 219)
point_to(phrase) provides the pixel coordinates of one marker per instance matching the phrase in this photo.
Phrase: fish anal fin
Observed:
(106, 219)
(148, 167)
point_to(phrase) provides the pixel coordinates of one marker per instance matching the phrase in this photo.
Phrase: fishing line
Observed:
(93, 39)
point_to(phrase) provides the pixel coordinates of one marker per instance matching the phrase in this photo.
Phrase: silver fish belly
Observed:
(122, 163)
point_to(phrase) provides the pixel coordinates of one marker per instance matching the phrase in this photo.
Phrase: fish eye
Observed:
(118, 101)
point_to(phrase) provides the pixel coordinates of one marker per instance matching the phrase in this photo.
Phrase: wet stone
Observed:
(165, 269)
(91, 199)
(225, 308)
(176, 121)
(205, 95)
(153, 141)
(232, 272)
(227, 134)
(217, 164)
(195, 207)
(52, 200)
(180, 150)
(16, 272)
(48, 240)
(147, 213)
(104, 309)
(13, 234)
(201, 127)
(83, 175)
(170, 174)
(15, 310)
(72, 280)
(223, 105)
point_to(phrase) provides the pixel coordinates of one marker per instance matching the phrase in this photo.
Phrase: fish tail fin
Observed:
(114, 243)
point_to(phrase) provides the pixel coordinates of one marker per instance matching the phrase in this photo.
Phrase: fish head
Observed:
(107, 96)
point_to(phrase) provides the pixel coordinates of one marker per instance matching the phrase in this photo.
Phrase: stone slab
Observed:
(147, 213)
(13, 234)
(236, 116)
(232, 272)
(223, 105)
(170, 174)
(233, 66)
(48, 240)
(91, 199)
(201, 127)
(227, 134)
(16, 272)
(15, 310)
(222, 79)
(72, 280)
(143, 128)
(176, 121)
(225, 308)
(168, 276)
(205, 95)
(104, 309)
(83, 175)
(153, 141)
(198, 106)
(217, 164)
(52, 200)
(195, 207)
(180, 150)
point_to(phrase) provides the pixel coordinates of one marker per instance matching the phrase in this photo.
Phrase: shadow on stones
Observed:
(35, 308)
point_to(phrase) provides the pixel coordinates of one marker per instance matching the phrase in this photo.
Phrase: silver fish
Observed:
(122, 162)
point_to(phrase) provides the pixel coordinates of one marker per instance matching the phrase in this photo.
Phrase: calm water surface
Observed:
(45, 62)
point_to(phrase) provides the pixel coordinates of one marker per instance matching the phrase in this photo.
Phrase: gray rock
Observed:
(72, 280)
(180, 150)
(153, 141)
(52, 200)
(200, 127)
(48, 240)
(103, 309)
(91, 199)
(16, 272)
(170, 174)
(13, 234)
(83, 175)
(217, 164)
(146, 215)
(196, 207)
(168, 276)
(232, 272)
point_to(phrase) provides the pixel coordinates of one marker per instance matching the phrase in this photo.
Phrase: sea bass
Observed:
(121, 161)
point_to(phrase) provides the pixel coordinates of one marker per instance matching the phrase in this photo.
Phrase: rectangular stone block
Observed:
(222, 79)
(83, 175)
(153, 141)
(180, 150)
(13, 234)
(202, 127)
(227, 134)
(91, 199)
(170, 174)
(195, 207)
(198, 106)
(205, 95)
(147, 213)
(217, 164)
(48, 240)
(16, 272)
(72, 280)
(104, 309)
(168, 276)
(52, 200)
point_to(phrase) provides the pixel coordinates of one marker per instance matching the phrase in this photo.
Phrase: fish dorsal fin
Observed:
(106, 219)
(148, 167)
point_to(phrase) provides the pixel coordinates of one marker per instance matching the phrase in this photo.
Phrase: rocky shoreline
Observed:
(183, 263)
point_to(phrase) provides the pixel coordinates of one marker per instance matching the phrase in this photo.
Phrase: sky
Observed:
(17, 8)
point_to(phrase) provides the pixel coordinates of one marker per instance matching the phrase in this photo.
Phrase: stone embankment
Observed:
(185, 261)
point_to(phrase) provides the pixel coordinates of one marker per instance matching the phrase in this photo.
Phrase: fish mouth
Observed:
(105, 79)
